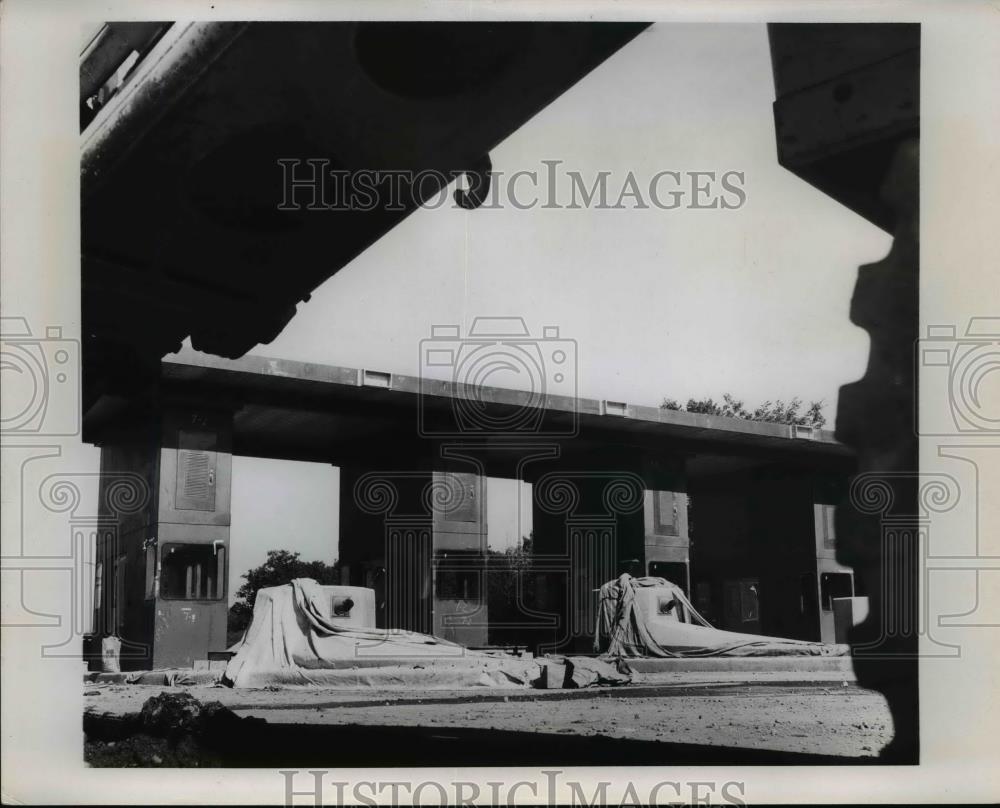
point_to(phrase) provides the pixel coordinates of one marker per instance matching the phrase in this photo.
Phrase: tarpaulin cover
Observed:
(625, 630)
(293, 642)
(172, 677)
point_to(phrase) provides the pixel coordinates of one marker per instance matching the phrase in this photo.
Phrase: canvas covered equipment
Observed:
(294, 642)
(642, 617)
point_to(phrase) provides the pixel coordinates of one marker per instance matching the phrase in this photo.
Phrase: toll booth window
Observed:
(150, 571)
(742, 600)
(749, 603)
(835, 585)
(193, 572)
(674, 571)
(457, 584)
(703, 601)
(807, 594)
(99, 585)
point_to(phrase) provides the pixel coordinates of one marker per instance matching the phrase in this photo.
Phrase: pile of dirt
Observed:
(171, 730)
(171, 715)
(146, 751)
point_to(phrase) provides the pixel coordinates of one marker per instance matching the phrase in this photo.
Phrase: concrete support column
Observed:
(458, 503)
(587, 530)
(129, 469)
(763, 541)
(876, 417)
(592, 525)
(666, 542)
(419, 539)
(833, 579)
(784, 547)
(165, 564)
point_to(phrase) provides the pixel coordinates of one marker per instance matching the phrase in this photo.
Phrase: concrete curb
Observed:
(784, 664)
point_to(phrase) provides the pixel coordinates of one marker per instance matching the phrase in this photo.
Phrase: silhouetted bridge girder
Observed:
(181, 185)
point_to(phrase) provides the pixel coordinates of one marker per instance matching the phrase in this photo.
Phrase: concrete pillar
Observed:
(588, 529)
(784, 549)
(461, 613)
(833, 579)
(763, 542)
(164, 566)
(592, 525)
(419, 539)
(121, 608)
(371, 504)
(876, 416)
(666, 542)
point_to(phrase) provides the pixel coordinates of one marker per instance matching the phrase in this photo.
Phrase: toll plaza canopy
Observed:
(350, 416)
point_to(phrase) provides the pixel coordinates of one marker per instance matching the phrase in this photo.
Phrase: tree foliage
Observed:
(281, 567)
(510, 582)
(778, 412)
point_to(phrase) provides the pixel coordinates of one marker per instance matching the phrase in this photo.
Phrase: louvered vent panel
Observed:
(664, 517)
(829, 533)
(195, 480)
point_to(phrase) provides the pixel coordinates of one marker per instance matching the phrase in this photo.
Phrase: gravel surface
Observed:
(830, 718)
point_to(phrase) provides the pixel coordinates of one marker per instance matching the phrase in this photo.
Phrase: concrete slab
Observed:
(733, 665)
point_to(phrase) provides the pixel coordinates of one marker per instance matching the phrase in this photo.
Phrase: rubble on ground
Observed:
(171, 730)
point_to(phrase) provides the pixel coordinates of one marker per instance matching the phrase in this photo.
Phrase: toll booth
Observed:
(163, 564)
(764, 553)
(418, 538)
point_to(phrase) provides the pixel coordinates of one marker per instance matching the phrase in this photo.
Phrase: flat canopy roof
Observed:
(345, 416)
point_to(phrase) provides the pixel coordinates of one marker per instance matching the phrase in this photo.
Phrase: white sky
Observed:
(685, 303)
(680, 303)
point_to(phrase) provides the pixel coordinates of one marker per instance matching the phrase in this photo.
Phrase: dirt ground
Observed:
(827, 718)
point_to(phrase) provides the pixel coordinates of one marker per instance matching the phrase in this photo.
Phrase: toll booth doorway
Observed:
(755, 557)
